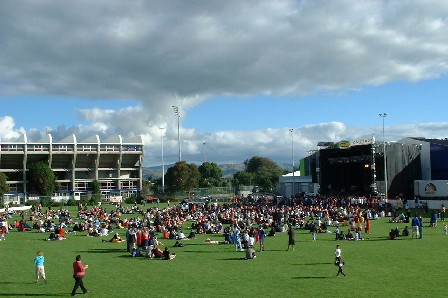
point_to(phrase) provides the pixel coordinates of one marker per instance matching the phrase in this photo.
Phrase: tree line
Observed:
(183, 176)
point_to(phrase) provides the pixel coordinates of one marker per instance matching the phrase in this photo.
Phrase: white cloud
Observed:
(165, 53)
(111, 49)
(237, 146)
(8, 130)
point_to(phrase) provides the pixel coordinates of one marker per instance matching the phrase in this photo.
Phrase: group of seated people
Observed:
(400, 218)
(152, 252)
(54, 236)
(395, 233)
(173, 234)
(350, 235)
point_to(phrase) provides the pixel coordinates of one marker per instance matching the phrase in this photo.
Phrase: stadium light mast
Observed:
(292, 157)
(176, 112)
(205, 157)
(384, 115)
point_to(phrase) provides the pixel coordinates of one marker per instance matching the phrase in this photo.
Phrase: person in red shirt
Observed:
(78, 274)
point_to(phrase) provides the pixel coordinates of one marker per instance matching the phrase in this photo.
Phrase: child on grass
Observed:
(40, 269)
(2, 233)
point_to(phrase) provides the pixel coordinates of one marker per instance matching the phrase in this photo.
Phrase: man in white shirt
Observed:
(338, 254)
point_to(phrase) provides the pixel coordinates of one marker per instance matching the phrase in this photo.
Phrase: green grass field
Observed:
(375, 266)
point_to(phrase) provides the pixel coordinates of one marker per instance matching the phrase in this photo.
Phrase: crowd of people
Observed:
(241, 224)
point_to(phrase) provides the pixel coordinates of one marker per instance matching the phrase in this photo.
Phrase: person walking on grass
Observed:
(78, 274)
(337, 254)
(261, 237)
(340, 265)
(39, 266)
(291, 240)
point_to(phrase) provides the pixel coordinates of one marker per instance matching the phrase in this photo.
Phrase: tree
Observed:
(182, 177)
(41, 179)
(242, 178)
(148, 184)
(264, 171)
(211, 175)
(4, 188)
(258, 164)
(96, 192)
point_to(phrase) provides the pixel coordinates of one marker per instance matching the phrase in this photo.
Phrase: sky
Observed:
(242, 74)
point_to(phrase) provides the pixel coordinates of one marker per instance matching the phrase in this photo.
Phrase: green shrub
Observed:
(72, 202)
(32, 203)
(130, 200)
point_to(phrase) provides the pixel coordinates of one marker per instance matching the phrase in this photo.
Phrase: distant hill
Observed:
(227, 170)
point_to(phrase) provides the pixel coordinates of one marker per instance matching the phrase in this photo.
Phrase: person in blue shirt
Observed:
(261, 236)
(40, 269)
(420, 227)
(415, 227)
(434, 219)
(237, 238)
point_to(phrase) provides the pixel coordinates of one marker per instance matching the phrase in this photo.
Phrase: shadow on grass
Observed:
(34, 294)
(312, 264)
(311, 277)
(14, 282)
(203, 251)
(234, 259)
(103, 250)
(127, 256)
(203, 243)
(189, 244)
(377, 239)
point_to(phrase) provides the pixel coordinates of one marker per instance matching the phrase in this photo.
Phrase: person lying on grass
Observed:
(115, 239)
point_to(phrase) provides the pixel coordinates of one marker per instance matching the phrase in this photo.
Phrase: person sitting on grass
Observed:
(104, 231)
(192, 235)
(405, 231)
(349, 235)
(167, 255)
(157, 253)
(137, 252)
(53, 237)
(250, 253)
(393, 234)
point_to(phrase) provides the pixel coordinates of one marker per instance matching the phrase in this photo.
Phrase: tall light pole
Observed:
(292, 156)
(205, 157)
(176, 112)
(163, 163)
(384, 115)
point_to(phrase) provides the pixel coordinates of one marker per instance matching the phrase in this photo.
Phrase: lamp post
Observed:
(205, 157)
(163, 163)
(292, 156)
(176, 112)
(384, 115)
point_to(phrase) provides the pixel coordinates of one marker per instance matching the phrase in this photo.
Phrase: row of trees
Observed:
(259, 171)
(183, 176)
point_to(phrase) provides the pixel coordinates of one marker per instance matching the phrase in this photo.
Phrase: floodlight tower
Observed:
(384, 115)
(292, 157)
(176, 112)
